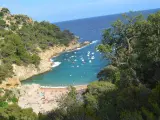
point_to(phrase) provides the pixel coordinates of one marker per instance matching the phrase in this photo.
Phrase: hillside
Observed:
(23, 40)
(127, 89)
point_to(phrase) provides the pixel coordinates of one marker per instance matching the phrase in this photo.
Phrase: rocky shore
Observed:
(25, 72)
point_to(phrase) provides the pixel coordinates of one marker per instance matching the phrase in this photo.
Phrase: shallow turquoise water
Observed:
(77, 73)
(77, 68)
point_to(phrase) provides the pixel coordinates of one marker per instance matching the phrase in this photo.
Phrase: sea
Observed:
(80, 67)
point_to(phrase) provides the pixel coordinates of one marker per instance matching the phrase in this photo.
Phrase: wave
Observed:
(63, 86)
(55, 64)
(93, 42)
(51, 60)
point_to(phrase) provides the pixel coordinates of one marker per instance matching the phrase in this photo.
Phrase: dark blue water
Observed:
(81, 66)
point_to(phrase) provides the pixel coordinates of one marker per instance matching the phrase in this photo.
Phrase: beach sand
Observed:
(43, 99)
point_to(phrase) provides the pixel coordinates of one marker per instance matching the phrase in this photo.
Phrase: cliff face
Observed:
(25, 72)
(22, 72)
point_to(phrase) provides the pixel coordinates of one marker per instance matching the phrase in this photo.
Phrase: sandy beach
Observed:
(43, 99)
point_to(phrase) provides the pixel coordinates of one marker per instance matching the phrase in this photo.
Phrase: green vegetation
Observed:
(9, 110)
(21, 40)
(5, 10)
(129, 88)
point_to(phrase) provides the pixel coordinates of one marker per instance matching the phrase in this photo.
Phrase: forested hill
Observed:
(21, 39)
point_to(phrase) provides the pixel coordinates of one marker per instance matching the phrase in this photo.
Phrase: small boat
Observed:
(92, 57)
(55, 64)
(82, 60)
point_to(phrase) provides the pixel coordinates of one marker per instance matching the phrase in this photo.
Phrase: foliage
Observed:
(9, 110)
(1, 14)
(2, 23)
(24, 39)
(129, 88)
(14, 112)
(5, 10)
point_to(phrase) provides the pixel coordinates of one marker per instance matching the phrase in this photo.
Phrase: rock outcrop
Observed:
(24, 72)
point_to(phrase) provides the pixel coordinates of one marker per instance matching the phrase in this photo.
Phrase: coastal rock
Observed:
(25, 72)
(86, 42)
(10, 83)
(13, 81)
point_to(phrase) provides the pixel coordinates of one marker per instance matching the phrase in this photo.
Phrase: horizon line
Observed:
(102, 15)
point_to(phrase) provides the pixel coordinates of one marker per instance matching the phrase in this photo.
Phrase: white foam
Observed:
(55, 64)
(78, 48)
(51, 60)
(95, 41)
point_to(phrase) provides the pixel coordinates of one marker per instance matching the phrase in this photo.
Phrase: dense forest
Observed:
(127, 89)
(21, 39)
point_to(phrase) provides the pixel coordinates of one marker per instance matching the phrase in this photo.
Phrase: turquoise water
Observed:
(76, 67)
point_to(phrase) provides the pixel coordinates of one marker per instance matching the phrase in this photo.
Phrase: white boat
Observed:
(92, 57)
(55, 64)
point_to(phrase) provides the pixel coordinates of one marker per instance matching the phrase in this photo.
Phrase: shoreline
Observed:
(43, 100)
(54, 87)
(75, 48)
(22, 73)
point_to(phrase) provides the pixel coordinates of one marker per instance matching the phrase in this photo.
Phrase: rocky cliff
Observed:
(45, 65)
(25, 72)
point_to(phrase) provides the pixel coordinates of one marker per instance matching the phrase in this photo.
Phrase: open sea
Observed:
(80, 67)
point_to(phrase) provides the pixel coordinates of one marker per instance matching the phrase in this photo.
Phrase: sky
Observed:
(63, 10)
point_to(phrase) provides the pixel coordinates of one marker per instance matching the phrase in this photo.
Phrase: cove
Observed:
(73, 70)
(78, 67)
